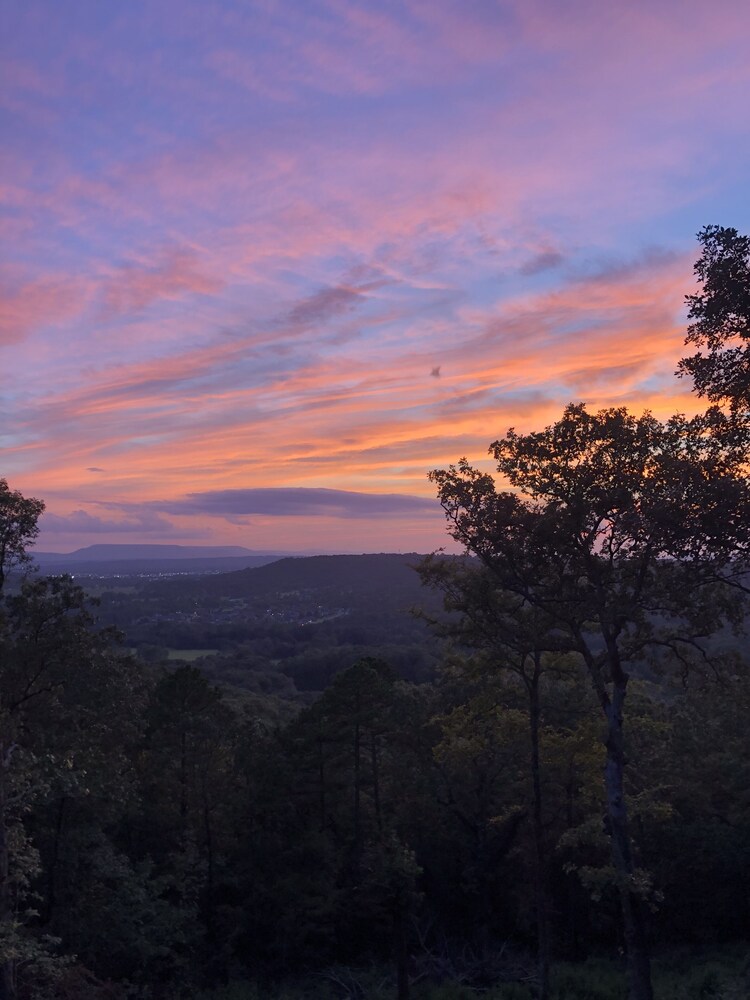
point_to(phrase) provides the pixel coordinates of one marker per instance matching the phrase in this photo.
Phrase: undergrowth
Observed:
(720, 975)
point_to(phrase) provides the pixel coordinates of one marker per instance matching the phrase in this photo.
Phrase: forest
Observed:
(529, 781)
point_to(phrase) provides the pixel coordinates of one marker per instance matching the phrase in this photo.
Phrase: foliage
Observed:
(18, 528)
(619, 535)
(721, 319)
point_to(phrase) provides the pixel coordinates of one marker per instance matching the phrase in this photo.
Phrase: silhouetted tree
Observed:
(721, 319)
(19, 516)
(616, 530)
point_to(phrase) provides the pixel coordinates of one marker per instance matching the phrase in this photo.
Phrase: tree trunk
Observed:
(636, 944)
(321, 784)
(183, 791)
(573, 948)
(208, 832)
(7, 965)
(376, 783)
(540, 887)
(402, 953)
(54, 862)
(357, 780)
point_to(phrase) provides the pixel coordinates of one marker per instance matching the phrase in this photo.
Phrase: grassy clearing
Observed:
(175, 654)
(190, 654)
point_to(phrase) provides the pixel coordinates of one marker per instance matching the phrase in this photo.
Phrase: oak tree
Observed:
(19, 516)
(619, 531)
(720, 312)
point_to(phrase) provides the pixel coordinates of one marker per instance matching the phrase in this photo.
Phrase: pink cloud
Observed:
(359, 48)
(341, 202)
(371, 414)
(27, 305)
(80, 522)
(136, 285)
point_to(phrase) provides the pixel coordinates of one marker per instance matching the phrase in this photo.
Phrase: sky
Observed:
(265, 263)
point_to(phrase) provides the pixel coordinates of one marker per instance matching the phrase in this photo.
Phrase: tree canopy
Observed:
(720, 312)
(621, 533)
(18, 527)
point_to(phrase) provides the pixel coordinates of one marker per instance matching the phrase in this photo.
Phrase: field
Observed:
(190, 654)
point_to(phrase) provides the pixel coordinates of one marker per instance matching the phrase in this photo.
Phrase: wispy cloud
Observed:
(234, 256)
(80, 522)
(325, 304)
(135, 285)
(545, 260)
(299, 502)
(29, 304)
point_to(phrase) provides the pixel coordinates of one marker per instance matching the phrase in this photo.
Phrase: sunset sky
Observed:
(267, 262)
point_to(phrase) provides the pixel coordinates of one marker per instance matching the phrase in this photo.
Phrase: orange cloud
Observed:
(370, 414)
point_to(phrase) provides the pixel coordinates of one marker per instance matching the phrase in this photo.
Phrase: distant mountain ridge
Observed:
(104, 560)
(380, 579)
(152, 560)
(368, 571)
(105, 553)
